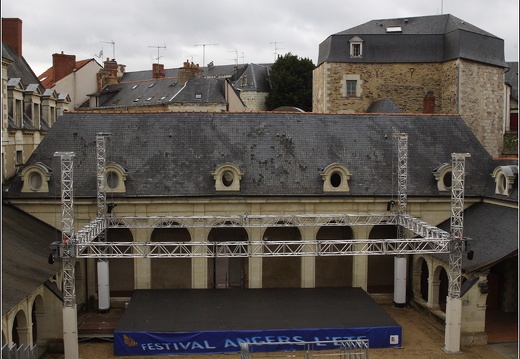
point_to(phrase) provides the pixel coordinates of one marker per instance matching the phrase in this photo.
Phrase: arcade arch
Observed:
(282, 272)
(121, 273)
(334, 271)
(170, 273)
(228, 272)
(381, 268)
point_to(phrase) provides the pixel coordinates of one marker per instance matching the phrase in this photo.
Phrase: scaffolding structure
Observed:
(90, 242)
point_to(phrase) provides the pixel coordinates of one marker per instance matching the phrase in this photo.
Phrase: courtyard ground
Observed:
(423, 337)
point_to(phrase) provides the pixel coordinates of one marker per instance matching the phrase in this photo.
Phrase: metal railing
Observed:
(344, 349)
(19, 352)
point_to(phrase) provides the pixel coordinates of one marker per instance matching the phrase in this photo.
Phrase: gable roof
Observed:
(47, 77)
(425, 39)
(489, 241)
(254, 78)
(172, 154)
(25, 250)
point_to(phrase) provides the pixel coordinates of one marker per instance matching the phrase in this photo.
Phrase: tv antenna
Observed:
(204, 52)
(236, 57)
(158, 48)
(111, 42)
(276, 48)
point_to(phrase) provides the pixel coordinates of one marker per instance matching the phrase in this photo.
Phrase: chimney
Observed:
(188, 71)
(158, 71)
(429, 103)
(12, 34)
(63, 65)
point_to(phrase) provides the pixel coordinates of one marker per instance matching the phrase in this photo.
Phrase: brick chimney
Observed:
(108, 75)
(188, 71)
(429, 103)
(12, 34)
(63, 65)
(158, 71)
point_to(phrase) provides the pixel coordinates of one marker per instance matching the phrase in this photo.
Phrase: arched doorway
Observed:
(381, 267)
(285, 271)
(20, 330)
(170, 273)
(228, 272)
(36, 313)
(334, 271)
(442, 277)
(121, 270)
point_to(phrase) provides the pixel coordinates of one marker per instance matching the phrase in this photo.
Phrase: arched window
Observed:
(36, 178)
(505, 177)
(443, 176)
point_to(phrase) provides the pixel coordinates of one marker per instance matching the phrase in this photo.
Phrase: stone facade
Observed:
(473, 90)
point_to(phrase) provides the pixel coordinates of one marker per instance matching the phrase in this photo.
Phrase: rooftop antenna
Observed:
(111, 42)
(442, 7)
(236, 57)
(158, 48)
(204, 52)
(243, 58)
(276, 48)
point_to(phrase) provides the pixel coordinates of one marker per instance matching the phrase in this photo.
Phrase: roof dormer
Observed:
(335, 178)
(505, 177)
(443, 175)
(116, 177)
(36, 178)
(227, 177)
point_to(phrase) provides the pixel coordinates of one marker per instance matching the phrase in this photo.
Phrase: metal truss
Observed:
(67, 227)
(312, 248)
(457, 223)
(402, 178)
(429, 239)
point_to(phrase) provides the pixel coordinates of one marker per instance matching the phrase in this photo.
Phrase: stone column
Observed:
(142, 266)
(308, 264)
(255, 263)
(360, 262)
(199, 266)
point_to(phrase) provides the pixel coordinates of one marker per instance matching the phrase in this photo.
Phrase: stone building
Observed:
(28, 109)
(236, 164)
(431, 64)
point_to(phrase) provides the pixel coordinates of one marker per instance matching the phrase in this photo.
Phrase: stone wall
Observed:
(473, 90)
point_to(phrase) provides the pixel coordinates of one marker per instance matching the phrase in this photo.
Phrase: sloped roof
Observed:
(162, 91)
(172, 154)
(25, 250)
(254, 78)
(490, 242)
(385, 105)
(47, 77)
(425, 39)
(19, 68)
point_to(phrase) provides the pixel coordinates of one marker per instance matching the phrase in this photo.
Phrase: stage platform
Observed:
(210, 321)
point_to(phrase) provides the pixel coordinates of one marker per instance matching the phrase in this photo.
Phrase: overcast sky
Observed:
(243, 31)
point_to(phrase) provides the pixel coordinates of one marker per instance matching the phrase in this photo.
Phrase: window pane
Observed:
(351, 87)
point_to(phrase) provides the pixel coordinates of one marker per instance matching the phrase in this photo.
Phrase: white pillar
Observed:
(400, 281)
(453, 325)
(103, 286)
(70, 333)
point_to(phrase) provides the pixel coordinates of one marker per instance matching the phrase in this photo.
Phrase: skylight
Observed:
(134, 87)
(394, 29)
(151, 85)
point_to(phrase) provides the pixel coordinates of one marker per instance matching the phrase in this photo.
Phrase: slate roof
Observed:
(512, 78)
(257, 79)
(281, 154)
(19, 68)
(489, 241)
(385, 105)
(25, 250)
(425, 39)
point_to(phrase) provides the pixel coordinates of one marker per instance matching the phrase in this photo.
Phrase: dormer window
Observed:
(443, 176)
(505, 177)
(116, 177)
(198, 95)
(356, 47)
(227, 177)
(36, 178)
(335, 178)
